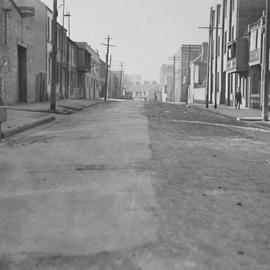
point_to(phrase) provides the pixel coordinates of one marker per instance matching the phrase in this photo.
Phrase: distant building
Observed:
(83, 70)
(167, 82)
(146, 92)
(147, 83)
(72, 69)
(115, 83)
(198, 76)
(132, 79)
(185, 55)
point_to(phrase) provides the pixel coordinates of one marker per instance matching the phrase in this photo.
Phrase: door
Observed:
(22, 75)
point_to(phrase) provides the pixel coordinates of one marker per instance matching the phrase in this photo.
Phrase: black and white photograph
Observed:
(134, 135)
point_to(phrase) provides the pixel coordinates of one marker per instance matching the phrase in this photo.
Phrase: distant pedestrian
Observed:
(238, 99)
(156, 97)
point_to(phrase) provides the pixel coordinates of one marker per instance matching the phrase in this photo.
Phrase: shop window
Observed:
(231, 51)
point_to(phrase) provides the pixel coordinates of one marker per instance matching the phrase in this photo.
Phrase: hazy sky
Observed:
(146, 32)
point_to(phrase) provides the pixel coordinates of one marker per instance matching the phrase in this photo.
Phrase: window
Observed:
(225, 41)
(51, 29)
(197, 74)
(232, 38)
(218, 46)
(49, 68)
(218, 75)
(259, 41)
(1, 88)
(58, 72)
(255, 40)
(218, 14)
(48, 29)
(232, 51)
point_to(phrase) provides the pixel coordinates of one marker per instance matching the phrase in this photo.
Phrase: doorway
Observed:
(22, 74)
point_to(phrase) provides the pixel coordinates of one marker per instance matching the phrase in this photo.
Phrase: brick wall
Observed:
(8, 51)
(35, 36)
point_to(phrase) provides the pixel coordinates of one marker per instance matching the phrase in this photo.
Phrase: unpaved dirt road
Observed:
(136, 186)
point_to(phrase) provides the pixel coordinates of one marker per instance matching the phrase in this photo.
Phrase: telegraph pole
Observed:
(174, 69)
(209, 58)
(54, 54)
(188, 76)
(265, 105)
(216, 58)
(108, 45)
(109, 76)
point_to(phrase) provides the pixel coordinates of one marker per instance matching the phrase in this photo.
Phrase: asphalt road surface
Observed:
(136, 186)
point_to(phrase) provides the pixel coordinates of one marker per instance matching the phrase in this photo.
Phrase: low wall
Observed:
(198, 95)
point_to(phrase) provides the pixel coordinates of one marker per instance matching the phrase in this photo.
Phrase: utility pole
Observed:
(209, 58)
(216, 57)
(188, 75)
(54, 54)
(265, 105)
(174, 70)
(108, 45)
(109, 75)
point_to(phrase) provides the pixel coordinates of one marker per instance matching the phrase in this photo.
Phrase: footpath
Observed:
(251, 116)
(22, 117)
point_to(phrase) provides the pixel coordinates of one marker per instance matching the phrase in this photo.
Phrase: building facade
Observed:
(229, 51)
(72, 68)
(198, 76)
(23, 49)
(184, 56)
(167, 82)
(115, 89)
(26, 57)
(13, 55)
(90, 72)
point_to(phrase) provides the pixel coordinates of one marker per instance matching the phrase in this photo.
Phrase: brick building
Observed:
(229, 61)
(90, 72)
(72, 68)
(36, 37)
(15, 56)
(185, 55)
